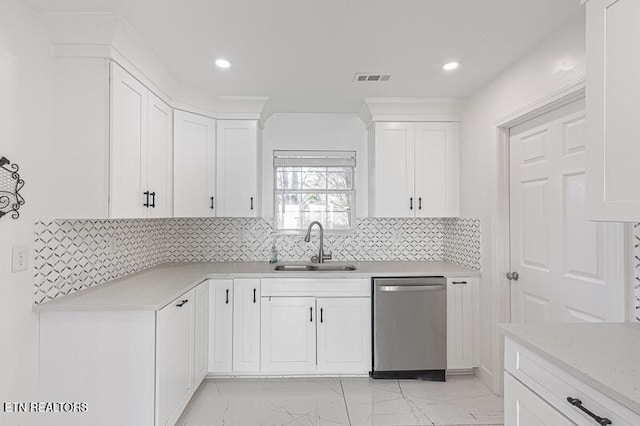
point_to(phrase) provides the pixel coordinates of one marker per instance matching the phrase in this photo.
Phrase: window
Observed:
(314, 185)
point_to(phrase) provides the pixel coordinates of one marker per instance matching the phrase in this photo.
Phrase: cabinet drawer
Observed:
(318, 287)
(555, 386)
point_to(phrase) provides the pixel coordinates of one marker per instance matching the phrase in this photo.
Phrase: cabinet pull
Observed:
(321, 320)
(420, 203)
(411, 203)
(311, 314)
(603, 421)
(211, 203)
(182, 303)
(251, 203)
(153, 200)
(254, 295)
(458, 282)
(227, 301)
(146, 203)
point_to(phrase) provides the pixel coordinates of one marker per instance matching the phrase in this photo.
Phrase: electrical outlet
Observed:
(19, 258)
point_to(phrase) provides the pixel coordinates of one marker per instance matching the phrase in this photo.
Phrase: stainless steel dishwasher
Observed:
(409, 328)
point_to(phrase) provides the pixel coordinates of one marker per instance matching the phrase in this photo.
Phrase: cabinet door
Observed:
(436, 169)
(460, 322)
(288, 334)
(194, 165)
(201, 333)
(344, 335)
(393, 170)
(129, 100)
(523, 407)
(613, 102)
(174, 358)
(237, 168)
(220, 326)
(159, 153)
(246, 325)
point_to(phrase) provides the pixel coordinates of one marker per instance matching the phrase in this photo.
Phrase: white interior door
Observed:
(570, 269)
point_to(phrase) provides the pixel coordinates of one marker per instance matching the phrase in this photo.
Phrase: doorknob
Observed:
(513, 276)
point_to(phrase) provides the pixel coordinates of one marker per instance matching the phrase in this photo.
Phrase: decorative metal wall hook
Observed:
(10, 186)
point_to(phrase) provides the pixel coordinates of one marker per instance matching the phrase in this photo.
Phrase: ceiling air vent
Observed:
(374, 77)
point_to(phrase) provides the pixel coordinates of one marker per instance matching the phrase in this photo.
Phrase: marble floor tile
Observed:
(347, 401)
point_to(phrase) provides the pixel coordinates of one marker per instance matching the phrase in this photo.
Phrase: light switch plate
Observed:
(19, 261)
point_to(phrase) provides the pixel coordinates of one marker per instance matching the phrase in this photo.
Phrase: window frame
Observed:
(326, 154)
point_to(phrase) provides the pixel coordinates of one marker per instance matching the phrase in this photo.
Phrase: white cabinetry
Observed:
(413, 169)
(220, 326)
(537, 392)
(174, 358)
(246, 325)
(238, 160)
(144, 362)
(201, 334)
(344, 343)
(141, 150)
(316, 326)
(462, 318)
(613, 100)
(194, 165)
(288, 334)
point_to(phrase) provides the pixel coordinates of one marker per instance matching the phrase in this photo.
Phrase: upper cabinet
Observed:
(194, 165)
(613, 102)
(413, 169)
(238, 160)
(141, 150)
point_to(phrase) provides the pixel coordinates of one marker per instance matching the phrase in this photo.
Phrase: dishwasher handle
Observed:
(395, 288)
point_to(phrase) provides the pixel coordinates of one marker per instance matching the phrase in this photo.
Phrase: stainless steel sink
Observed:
(299, 267)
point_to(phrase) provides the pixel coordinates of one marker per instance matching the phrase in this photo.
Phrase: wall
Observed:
(531, 78)
(25, 127)
(71, 255)
(314, 131)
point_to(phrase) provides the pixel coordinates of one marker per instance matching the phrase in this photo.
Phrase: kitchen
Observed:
(409, 177)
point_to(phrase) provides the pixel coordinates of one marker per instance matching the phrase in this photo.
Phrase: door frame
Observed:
(501, 287)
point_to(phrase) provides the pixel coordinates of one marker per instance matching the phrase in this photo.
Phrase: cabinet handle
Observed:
(411, 203)
(182, 303)
(254, 295)
(227, 301)
(603, 421)
(420, 203)
(153, 200)
(146, 203)
(311, 314)
(211, 203)
(458, 282)
(321, 320)
(251, 203)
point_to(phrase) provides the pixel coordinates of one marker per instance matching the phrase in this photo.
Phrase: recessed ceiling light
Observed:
(450, 66)
(223, 63)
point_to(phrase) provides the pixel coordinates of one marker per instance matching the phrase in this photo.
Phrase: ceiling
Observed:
(303, 54)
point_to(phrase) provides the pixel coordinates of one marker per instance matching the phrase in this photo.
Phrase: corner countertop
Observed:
(154, 288)
(602, 355)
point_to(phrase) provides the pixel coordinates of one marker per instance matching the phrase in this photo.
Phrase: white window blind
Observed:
(314, 185)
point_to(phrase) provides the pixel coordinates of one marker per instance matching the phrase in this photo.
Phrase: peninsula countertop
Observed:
(154, 288)
(602, 355)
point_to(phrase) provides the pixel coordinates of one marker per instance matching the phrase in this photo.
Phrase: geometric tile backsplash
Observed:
(71, 255)
(636, 265)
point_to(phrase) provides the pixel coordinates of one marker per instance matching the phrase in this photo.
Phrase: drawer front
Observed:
(555, 386)
(317, 287)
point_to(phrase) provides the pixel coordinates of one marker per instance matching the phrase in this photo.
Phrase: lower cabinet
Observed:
(131, 367)
(220, 326)
(523, 407)
(462, 317)
(316, 335)
(174, 358)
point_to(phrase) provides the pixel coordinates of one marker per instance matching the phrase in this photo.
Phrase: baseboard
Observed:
(461, 372)
(279, 376)
(485, 376)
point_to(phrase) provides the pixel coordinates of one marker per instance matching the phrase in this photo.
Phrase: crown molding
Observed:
(409, 109)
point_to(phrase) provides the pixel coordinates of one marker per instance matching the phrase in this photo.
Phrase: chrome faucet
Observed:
(320, 257)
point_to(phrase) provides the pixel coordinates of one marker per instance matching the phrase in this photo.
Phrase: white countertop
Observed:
(158, 286)
(605, 356)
